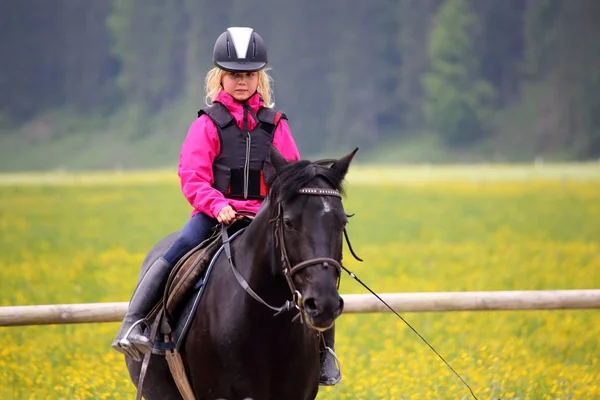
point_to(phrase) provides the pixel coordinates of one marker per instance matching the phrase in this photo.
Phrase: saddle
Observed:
(171, 316)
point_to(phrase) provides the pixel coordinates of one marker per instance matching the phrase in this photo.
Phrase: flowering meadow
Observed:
(79, 238)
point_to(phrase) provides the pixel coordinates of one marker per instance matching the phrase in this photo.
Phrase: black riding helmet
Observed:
(240, 49)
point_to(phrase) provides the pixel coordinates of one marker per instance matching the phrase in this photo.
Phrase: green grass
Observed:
(80, 237)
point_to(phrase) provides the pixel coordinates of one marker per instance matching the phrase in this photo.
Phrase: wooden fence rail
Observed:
(354, 303)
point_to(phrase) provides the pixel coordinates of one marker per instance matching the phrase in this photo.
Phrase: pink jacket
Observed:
(202, 146)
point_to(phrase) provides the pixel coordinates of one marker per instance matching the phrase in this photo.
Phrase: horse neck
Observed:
(261, 259)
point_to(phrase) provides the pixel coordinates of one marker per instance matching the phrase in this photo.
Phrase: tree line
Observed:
(469, 70)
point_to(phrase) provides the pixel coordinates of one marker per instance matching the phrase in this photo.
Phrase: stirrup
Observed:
(338, 365)
(124, 342)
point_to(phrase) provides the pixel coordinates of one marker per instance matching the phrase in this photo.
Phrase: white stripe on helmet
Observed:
(241, 39)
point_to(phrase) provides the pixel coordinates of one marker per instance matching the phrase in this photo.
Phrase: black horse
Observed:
(236, 348)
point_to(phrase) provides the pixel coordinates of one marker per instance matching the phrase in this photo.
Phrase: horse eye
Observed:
(288, 223)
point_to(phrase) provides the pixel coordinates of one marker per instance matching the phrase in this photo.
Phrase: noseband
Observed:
(288, 270)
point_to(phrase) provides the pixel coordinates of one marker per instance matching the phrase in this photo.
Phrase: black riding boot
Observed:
(131, 339)
(330, 373)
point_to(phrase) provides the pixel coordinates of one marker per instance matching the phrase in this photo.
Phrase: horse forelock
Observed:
(300, 174)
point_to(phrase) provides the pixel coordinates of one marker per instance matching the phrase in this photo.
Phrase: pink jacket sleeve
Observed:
(199, 150)
(284, 142)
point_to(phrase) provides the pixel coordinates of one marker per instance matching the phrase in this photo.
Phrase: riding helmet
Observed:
(240, 49)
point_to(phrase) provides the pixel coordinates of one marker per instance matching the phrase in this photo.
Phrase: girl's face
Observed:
(240, 85)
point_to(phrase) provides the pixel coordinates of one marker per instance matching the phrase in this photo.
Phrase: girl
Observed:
(221, 166)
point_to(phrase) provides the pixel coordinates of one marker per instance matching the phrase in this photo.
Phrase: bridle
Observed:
(289, 270)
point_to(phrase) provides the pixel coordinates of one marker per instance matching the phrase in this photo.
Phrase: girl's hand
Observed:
(226, 215)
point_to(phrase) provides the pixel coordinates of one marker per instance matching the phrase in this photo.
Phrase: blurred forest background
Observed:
(115, 84)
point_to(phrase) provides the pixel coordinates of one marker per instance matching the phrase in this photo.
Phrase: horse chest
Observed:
(269, 360)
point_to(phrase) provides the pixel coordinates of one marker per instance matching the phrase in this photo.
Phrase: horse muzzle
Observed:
(320, 313)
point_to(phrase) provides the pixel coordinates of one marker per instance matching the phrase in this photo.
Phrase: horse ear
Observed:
(273, 164)
(341, 165)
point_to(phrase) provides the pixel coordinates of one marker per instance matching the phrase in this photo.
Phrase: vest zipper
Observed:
(246, 107)
(247, 165)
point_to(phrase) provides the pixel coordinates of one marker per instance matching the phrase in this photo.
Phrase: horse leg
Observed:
(330, 373)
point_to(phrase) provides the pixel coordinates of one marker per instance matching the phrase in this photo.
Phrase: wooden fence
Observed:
(354, 303)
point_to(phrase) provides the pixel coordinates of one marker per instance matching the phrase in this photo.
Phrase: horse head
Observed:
(305, 206)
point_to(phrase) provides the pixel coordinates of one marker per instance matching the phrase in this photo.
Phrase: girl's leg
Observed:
(193, 233)
(131, 339)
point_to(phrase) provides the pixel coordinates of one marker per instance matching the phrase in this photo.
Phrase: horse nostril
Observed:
(310, 305)
(341, 304)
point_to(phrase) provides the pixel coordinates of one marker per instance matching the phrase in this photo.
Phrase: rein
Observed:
(288, 305)
(353, 275)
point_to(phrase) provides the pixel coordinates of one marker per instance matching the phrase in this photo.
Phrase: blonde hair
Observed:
(212, 86)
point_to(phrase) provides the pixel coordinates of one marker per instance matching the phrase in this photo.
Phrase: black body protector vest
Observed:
(238, 170)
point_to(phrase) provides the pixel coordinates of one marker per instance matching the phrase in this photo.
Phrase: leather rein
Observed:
(288, 270)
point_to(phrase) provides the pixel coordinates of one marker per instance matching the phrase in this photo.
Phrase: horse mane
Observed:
(298, 174)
